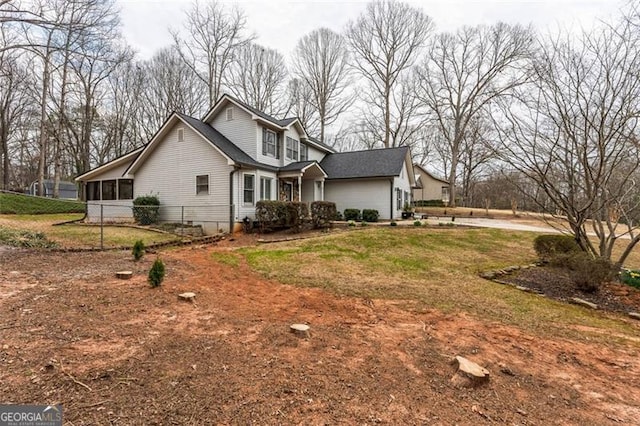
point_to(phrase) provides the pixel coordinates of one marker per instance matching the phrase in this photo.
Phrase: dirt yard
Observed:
(119, 352)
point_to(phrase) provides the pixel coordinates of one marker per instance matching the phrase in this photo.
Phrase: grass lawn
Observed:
(428, 268)
(30, 205)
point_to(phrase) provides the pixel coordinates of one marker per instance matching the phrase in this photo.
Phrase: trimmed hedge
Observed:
(322, 213)
(351, 214)
(429, 203)
(146, 209)
(370, 215)
(549, 247)
(281, 214)
(297, 213)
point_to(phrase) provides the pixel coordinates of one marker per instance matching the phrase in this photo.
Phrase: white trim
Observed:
(108, 166)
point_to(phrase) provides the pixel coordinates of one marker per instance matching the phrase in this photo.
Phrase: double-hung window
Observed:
(202, 185)
(292, 149)
(269, 140)
(304, 152)
(265, 188)
(398, 199)
(249, 189)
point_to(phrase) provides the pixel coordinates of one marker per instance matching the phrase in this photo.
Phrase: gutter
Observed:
(391, 217)
(231, 206)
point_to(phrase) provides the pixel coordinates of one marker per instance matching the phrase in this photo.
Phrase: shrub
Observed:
(322, 213)
(272, 214)
(351, 214)
(417, 223)
(146, 209)
(338, 215)
(364, 223)
(156, 273)
(351, 223)
(589, 274)
(549, 247)
(630, 277)
(393, 223)
(296, 214)
(138, 250)
(429, 203)
(370, 215)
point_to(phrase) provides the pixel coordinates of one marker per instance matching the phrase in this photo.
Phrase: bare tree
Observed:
(300, 104)
(573, 131)
(258, 78)
(464, 72)
(321, 61)
(385, 40)
(214, 34)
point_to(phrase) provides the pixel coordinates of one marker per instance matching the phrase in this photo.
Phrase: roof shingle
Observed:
(365, 164)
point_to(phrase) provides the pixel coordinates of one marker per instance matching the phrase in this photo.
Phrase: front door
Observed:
(287, 187)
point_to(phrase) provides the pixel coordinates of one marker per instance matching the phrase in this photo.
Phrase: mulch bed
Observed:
(556, 283)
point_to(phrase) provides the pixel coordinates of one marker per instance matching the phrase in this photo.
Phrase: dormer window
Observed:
(229, 113)
(181, 135)
(292, 149)
(269, 141)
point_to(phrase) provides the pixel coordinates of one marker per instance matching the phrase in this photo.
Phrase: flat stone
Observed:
(523, 288)
(188, 296)
(488, 275)
(634, 315)
(583, 302)
(300, 330)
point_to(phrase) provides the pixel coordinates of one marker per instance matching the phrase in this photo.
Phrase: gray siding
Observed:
(170, 173)
(360, 194)
(243, 209)
(241, 130)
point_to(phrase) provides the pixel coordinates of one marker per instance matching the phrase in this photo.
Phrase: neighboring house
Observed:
(213, 171)
(66, 190)
(429, 187)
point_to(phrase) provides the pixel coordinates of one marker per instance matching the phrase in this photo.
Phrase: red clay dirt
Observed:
(119, 352)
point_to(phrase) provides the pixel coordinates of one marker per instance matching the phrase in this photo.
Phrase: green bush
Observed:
(393, 223)
(417, 223)
(589, 274)
(630, 277)
(322, 213)
(554, 247)
(351, 214)
(272, 214)
(370, 215)
(138, 250)
(297, 213)
(364, 223)
(351, 223)
(29, 204)
(146, 209)
(156, 273)
(429, 203)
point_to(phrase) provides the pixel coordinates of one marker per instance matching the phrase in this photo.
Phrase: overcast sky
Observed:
(279, 24)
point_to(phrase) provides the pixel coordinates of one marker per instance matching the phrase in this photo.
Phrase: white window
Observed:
(265, 188)
(202, 185)
(292, 149)
(249, 189)
(181, 135)
(269, 143)
(304, 152)
(229, 113)
(398, 199)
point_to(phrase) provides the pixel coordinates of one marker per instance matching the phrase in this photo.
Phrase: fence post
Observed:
(101, 227)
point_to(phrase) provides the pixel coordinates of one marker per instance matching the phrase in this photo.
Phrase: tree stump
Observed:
(300, 330)
(124, 275)
(187, 297)
(469, 374)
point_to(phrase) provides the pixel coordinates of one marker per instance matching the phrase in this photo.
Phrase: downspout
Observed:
(231, 206)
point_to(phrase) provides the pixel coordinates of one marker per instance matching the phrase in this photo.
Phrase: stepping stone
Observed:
(469, 374)
(300, 330)
(187, 297)
(124, 275)
(634, 315)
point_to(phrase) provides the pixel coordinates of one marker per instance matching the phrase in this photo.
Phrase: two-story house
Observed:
(213, 171)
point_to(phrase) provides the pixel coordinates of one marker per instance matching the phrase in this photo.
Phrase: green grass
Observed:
(114, 236)
(431, 268)
(30, 205)
(226, 258)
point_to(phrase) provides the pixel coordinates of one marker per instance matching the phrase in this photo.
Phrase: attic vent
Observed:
(180, 135)
(229, 113)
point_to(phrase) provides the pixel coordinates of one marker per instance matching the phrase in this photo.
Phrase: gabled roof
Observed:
(110, 165)
(426, 172)
(321, 145)
(295, 167)
(385, 162)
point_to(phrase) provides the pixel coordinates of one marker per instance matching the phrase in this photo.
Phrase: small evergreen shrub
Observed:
(351, 214)
(351, 223)
(630, 277)
(549, 247)
(417, 223)
(589, 274)
(138, 250)
(393, 223)
(156, 273)
(322, 213)
(146, 209)
(370, 215)
(364, 223)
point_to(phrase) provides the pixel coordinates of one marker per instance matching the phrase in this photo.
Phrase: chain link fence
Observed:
(102, 225)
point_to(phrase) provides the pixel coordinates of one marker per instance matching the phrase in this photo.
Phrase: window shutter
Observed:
(278, 145)
(264, 141)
